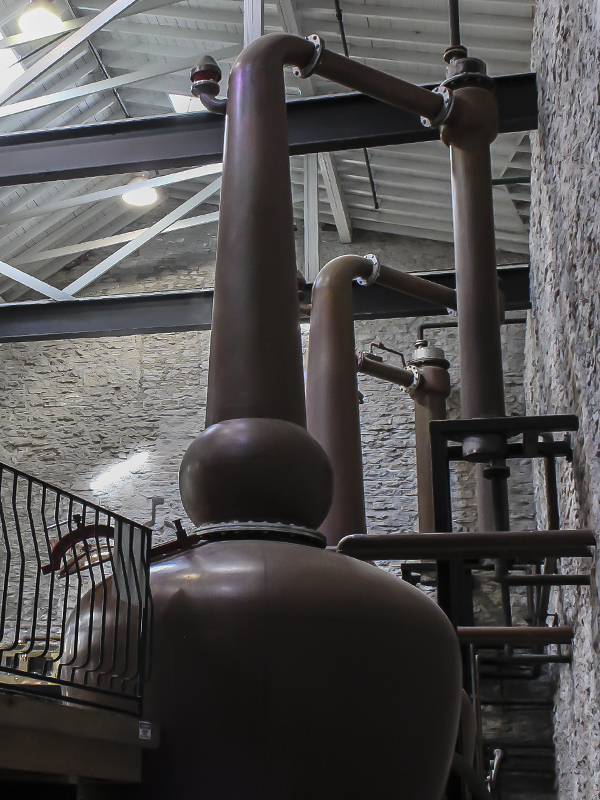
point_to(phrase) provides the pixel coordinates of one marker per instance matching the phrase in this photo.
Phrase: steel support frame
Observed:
(454, 595)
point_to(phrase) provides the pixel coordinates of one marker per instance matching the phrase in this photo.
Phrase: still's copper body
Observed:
(280, 669)
(286, 671)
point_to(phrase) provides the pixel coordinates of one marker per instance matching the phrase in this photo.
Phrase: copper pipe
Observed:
(517, 637)
(430, 397)
(377, 84)
(489, 544)
(332, 391)
(380, 369)
(210, 101)
(472, 126)
(414, 286)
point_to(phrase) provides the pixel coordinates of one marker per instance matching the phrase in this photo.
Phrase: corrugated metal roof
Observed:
(403, 37)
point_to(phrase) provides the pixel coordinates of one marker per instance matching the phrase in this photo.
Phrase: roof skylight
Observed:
(182, 104)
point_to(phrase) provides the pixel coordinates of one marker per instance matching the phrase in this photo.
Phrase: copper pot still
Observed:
(280, 670)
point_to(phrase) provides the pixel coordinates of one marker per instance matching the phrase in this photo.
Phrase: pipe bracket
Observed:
(374, 274)
(448, 103)
(319, 44)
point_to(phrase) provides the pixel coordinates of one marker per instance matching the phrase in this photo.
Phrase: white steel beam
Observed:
(33, 283)
(73, 24)
(335, 193)
(149, 234)
(25, 38)
(120, 48)
(108, 241)
(311, 217)
(98, 86)
(116, 191)
(289, 19)
(254, 20)
(63, 48)
(108, 224)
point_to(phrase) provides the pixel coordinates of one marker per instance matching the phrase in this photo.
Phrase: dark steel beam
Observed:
(488, 544)
(316, 125)
(164, 312)
(169, 312)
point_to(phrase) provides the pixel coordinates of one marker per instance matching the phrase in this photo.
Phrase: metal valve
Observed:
(205, 73)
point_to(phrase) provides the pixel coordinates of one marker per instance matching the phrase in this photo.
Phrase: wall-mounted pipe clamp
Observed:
(445, 111)
(307, 71)
(374, 274)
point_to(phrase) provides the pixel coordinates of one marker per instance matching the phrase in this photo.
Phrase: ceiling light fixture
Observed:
(119, 471)
(142, 196)
(40, 19)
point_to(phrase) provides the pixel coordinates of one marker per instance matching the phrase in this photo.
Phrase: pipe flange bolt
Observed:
(307, 71)
(416, 379)
(448, 103)
(374, 273)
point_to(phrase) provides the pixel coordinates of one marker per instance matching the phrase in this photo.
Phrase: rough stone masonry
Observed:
(73, 409)
(563, 339)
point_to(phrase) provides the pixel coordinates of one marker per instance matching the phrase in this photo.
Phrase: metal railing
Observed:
(74, 596)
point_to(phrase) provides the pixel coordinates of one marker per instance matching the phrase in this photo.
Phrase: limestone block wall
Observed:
(563, 345)
(72, 409)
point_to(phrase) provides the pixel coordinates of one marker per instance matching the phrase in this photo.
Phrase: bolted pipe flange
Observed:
(467, 71)
(496, 471)
(425, 355)
(455, 51)
(448, 103)
(374, 274)
(307, 71)
(416, 380)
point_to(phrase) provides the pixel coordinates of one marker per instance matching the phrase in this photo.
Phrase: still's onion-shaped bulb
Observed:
(40, 19)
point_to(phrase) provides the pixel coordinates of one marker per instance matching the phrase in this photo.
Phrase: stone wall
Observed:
(563, 340)
(73, 409)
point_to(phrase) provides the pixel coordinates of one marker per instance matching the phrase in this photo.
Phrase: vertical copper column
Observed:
(255, 353)
(255, 461)
(430, 397)
(332, 391)
(472, 126)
